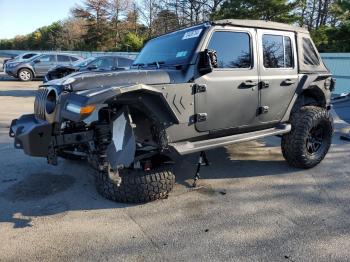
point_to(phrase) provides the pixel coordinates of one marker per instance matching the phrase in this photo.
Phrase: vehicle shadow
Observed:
(46, 191)
(30, 188)
(6, 78)
(18, 93)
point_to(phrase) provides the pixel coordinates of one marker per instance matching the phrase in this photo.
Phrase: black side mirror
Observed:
(36, 61)
(207, 61)
(92, 67)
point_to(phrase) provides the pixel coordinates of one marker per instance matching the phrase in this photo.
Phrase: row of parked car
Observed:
(28, 66)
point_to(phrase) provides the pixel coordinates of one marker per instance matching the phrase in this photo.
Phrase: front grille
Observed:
(40, 103)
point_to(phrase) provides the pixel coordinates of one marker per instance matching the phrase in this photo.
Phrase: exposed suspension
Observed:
(103, 138)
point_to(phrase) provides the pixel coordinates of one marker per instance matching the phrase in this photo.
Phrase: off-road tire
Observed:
(295, 147)
(25, 75)
(137, 186)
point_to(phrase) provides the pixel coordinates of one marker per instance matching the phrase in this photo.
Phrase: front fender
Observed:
(150, 97)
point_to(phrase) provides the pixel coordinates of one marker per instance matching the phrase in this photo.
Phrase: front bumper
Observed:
(10, 71)
(32, 135)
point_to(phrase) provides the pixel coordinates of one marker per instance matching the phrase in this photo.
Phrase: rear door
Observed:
(278, 73)
(44, 63)
(230, 95)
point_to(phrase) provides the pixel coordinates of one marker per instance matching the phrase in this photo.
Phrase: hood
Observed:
(93, 80)
(64, 68)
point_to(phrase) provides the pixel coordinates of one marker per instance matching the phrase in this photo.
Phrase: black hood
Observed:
(64, 68)
(90, 80)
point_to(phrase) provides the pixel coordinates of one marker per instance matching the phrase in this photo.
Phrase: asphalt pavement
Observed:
(250, 205)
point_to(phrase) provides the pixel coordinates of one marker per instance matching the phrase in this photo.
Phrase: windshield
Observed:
(84, 62)
(172, 49)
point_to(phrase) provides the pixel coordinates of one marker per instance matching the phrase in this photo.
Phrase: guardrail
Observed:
(85, 54)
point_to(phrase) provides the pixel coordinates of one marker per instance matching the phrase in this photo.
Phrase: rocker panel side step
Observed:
(184, 148)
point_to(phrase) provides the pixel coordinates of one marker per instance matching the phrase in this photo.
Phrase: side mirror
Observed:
(207, 61)
(36, 61)
(92, 67)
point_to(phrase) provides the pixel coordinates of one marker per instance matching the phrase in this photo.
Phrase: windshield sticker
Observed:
(181, 54)
(192, 34)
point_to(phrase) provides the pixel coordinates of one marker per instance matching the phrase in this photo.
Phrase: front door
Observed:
(43, 64)
(231, 94)
(278, 73)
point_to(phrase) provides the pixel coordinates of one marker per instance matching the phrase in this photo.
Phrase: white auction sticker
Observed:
(181, 54)
(192, 34)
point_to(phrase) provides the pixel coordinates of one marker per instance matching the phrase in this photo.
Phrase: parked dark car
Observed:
(38, 66)
(199, 88)
(100, 63)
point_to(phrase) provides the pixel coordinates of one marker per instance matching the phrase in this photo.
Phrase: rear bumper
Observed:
(32, 135)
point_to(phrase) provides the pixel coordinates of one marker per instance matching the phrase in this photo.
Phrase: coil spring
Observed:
(103, 138)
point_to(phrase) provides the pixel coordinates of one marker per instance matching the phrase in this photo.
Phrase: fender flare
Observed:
(150, 97)
(306, 85)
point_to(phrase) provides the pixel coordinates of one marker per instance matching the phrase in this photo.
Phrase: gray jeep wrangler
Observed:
(189, 91)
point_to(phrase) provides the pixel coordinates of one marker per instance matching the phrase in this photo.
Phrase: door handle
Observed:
(249, 83)
(288, 82)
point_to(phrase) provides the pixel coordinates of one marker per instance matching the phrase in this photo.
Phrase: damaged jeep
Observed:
(188, 91)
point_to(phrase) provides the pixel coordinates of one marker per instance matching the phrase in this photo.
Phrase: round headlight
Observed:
(51, 100)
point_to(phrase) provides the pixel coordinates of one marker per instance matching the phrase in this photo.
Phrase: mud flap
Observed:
(121, 151)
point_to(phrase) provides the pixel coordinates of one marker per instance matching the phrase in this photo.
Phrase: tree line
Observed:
(125, 25)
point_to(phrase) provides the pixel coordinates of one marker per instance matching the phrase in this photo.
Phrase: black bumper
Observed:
(32, 135)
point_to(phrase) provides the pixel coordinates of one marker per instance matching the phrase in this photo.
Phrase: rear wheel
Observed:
(310, 138)
(137, 186)
(25, 75)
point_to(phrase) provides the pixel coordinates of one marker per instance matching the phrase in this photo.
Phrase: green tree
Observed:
(132, 42)
(96, 14)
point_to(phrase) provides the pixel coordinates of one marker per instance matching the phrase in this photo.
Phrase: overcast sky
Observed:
(19, 17)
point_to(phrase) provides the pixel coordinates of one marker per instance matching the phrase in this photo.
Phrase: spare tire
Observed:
(137, 186)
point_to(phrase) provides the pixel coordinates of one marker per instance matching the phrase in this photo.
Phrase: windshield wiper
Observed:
(156, 63)
(138, 65)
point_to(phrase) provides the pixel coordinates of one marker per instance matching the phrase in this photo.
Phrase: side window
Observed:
(47, 58)
(123, 62)
(104, 63)
(97, 62)
(107, 63)
(233, 49)
(310, 55)
(73, 59)
(27, 56)
(63, 58)
(277, 51)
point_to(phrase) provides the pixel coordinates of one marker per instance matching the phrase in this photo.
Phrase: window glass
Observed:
(171, 49)
(123, 62)
(103, 63)
(310, 55)
(278, 51)
(232, 49)
(73, 59)
(63, 58)
(47, 58)
(288, 51)
(27, 56)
